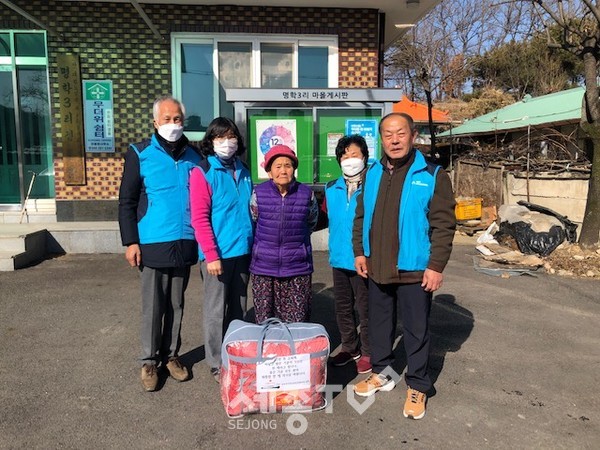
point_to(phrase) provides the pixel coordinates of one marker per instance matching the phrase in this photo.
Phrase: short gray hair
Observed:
(164, 98)
(407, 117)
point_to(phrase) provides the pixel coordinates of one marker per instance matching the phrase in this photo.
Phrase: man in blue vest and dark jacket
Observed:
(402, 240)
(155, 224)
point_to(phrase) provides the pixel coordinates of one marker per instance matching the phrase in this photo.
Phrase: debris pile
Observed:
(549, 151)
(575, 261)
(531, 237)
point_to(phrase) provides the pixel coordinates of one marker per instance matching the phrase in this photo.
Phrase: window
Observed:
(276, 62)
(312, 73)
(197, 83)
(204, 66)
(235, 71)
(30, 44)
(4, 44)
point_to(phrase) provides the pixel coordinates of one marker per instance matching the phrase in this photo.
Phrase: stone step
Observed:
(26, 250)
(14, 217)
(22, 245)
(7, 261)
(12, 244)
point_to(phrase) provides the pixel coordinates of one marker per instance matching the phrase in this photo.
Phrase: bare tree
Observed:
(513, 20)
(418, 57)
(580, 24)
(442, 43)
(431, 59)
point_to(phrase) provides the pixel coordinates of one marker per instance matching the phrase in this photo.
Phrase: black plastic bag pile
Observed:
(541, 243)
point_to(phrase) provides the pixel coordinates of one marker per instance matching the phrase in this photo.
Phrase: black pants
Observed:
(350, 290)
(415, 305)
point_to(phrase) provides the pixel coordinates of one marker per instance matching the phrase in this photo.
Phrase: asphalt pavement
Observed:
(515, 363)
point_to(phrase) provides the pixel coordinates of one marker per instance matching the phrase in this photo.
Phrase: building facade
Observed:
(193, 51)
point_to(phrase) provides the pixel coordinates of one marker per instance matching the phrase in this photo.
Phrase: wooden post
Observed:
(71, 119)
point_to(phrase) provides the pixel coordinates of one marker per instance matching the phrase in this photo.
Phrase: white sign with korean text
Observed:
(283, 373)
(332, 142)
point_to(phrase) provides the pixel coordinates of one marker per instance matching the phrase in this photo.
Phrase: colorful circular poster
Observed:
(276, 135)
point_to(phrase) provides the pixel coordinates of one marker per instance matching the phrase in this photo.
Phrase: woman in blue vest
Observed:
(349, 288)
(285, 212)
(220, 191)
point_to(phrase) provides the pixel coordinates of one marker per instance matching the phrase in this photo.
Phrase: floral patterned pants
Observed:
(287, 299)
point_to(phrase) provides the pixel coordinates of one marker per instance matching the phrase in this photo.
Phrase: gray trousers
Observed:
(162, 311)
(225, 299)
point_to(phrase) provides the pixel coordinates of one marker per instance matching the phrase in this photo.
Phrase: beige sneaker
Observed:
(149, 377)
(375, 382)
(178, 371)
(414, 407)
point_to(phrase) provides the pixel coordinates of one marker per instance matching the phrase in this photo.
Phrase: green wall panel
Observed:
(331, 123)
(292, 127)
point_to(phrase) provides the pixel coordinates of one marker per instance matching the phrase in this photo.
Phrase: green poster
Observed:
(332, 124)
(291, 127)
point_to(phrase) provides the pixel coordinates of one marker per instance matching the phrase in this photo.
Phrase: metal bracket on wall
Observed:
(29, 17)
(147, 19)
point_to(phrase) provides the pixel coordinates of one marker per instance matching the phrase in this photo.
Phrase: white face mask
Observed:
(352, 166)
(170, 131)
(226, 148)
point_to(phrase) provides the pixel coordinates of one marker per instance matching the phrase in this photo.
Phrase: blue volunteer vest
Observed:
(340, 211)
(166, 184)
(413, 223)
(230, 207)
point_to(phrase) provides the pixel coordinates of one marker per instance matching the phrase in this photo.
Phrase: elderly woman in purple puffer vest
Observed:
(285, 212)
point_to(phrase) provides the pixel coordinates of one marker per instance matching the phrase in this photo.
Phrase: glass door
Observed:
(10, 191)
(25, 137)
(34, 118)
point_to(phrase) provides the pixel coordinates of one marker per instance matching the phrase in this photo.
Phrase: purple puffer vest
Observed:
(282, 239)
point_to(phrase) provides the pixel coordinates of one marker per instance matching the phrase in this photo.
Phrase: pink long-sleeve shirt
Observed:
(201, 206)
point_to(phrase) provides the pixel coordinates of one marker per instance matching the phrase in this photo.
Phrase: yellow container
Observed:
(468, 208)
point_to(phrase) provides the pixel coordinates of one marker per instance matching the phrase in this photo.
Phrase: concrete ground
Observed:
(515, 363)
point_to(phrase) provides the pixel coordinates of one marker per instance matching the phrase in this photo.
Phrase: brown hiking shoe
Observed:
(375, 382)
(177, 370)
(149, 377)
(414, 407)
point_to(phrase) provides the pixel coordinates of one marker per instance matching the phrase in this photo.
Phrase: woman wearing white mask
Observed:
(220, 191)
(349, 288)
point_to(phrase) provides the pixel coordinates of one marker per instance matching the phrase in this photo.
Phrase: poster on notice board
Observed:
(273, 132)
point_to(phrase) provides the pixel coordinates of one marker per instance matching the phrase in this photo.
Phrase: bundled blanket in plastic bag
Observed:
(273, 367)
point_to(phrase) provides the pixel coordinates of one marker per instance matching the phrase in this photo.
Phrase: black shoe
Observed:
(216, 373)
(343, 358)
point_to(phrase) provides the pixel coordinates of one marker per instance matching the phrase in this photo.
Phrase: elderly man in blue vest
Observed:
(402, 240)
(155, 223)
